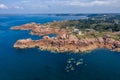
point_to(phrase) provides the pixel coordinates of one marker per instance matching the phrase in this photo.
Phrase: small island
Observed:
(99, 31)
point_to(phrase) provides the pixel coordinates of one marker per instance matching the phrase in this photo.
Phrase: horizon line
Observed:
(53, 13)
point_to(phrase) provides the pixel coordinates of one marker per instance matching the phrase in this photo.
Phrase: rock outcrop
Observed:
(68, 44)
(40, 29)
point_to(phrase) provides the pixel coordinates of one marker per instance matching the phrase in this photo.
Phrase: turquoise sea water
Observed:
(33, 64)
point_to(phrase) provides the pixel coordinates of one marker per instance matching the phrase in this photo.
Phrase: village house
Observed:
(77, 31)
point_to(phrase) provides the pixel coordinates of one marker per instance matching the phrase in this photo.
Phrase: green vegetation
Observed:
(94, 26)
(98, 23)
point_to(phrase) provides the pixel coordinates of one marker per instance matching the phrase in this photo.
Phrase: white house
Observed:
(77, 31)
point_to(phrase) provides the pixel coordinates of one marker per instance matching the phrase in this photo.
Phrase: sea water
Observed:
(34, 64)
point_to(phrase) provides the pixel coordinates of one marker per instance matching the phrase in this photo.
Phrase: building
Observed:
(77, 31)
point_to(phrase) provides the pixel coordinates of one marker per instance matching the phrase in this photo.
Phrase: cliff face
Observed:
(64, 42)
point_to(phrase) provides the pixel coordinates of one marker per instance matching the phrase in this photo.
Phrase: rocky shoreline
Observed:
(65, 41)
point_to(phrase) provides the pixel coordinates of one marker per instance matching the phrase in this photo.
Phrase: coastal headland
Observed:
(64, 41)
(71, 38)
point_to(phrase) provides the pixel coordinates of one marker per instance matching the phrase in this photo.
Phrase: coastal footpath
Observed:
(65, 41)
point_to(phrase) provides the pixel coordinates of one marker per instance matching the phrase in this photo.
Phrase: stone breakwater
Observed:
(64, 42)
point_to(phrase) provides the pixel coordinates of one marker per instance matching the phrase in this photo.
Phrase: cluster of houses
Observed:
(77, 31)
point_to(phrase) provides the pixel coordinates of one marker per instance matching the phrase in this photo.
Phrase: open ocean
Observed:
(34, 64)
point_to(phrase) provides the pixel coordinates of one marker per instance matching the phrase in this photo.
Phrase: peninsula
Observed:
(101, 31)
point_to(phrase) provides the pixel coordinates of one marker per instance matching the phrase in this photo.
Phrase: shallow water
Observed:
(34, 64)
